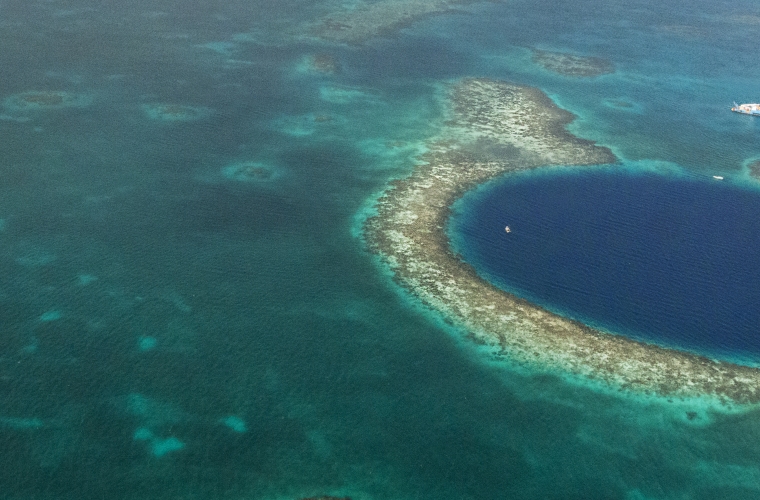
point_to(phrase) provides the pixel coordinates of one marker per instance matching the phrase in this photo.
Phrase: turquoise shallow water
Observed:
(176, 325)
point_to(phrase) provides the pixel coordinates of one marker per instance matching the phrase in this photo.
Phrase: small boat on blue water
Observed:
(747, 109)
(506, 229)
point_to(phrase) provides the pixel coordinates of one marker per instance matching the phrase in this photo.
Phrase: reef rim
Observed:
(495, 128)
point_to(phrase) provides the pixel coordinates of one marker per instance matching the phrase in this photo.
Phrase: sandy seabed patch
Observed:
(495, 128)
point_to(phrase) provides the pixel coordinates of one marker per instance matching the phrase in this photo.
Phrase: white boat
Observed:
(718, 177)
(506, 229)
(747, 109)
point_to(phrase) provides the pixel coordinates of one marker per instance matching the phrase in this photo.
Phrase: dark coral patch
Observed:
(572, 65)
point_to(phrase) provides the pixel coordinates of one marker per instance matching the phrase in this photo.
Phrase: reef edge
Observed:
(495, 128)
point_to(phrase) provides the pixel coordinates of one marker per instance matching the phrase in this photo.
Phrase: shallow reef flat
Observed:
(571, 64)
(373, 19)
(408, 233)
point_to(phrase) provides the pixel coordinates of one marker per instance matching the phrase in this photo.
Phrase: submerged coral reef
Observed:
(324, 63)
(32, 100)
(754, 169)
(571, 64)
(528, 131)
(371, 19)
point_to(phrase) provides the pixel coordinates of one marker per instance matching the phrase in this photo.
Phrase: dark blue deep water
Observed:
(671, 259)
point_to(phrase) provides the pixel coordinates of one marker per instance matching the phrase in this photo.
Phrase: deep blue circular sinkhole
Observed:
(673, 260)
